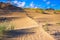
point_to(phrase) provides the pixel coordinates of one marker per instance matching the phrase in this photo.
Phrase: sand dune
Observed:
(23, 23)
(29, 25)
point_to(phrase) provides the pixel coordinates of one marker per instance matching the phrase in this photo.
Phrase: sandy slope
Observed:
(23, 23)
(37, 32)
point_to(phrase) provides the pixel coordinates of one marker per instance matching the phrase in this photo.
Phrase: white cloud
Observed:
(15, 2)
(48, 2)
(21, 4)
(31, 5)
(35, 7)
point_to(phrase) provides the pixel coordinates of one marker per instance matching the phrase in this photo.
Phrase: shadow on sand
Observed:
(16, 33)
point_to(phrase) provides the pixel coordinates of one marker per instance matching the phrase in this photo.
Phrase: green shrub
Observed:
(4, 27)
(2, 30)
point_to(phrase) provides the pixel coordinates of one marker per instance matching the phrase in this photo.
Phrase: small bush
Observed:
(46, 26)
(55, 13)
(4, 27)
(2, 30)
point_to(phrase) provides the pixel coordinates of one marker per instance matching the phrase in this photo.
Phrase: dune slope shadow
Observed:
(16, 33)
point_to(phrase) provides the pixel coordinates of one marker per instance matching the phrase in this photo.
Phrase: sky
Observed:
(43, 4)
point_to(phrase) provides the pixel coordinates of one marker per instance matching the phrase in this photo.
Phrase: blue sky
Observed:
(36, 3)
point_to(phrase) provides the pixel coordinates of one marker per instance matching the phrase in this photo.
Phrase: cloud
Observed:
(35, 7)
(19, 4)
(48, 2)
(15, 2)
(32, 5)
(22, 4)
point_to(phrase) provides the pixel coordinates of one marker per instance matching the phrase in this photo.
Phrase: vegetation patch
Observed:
(46, 26)
(58, 23)
(4, 27)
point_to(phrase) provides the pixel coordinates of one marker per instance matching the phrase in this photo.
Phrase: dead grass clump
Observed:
(46, 26)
